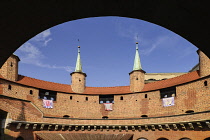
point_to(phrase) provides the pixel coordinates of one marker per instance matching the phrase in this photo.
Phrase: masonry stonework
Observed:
(204, 64)
(78, 82)
(138, 113)
(136, 80)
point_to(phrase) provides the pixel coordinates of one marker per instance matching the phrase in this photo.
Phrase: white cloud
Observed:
(30, 52)
(43, 37)
(157, 43)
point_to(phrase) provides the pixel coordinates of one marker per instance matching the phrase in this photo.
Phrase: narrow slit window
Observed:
(86, 98)
(145, 96)
(9, 87)
(70, 97)
(205, 83)
(31, 92)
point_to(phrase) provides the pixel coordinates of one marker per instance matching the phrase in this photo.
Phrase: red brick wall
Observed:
(204, 64)
(136, 80)
(9, 70)
(191, 96)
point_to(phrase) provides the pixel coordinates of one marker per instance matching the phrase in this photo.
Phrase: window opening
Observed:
(162, 139)
(70, 97)
(189, 111)
(106, 99)
(86, 98)
(47, 95)
(66, 116)
(141, 139)
(168, 92)
(205, 83)
(11, 64)
(105, 117)
(145, 96)
(137, 79)
(31, 92)
(152, 79)
(184, 139)
(121, 98)
(144, 116)
(9, 87)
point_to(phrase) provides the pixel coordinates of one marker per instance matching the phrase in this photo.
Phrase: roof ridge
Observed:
(41, 80)
(107, 87)
(174, 77)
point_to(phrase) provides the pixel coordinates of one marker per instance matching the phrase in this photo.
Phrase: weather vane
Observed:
(137, 39)
(78, 44)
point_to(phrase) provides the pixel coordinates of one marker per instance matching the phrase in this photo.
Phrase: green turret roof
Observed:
(137, 62)
(78, 67)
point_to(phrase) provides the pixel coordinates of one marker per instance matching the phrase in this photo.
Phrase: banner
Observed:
(168, 101)
(47, 103)
(108, 106)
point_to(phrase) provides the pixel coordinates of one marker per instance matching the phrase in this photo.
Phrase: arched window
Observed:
(121, 98)
(142, 139)
(9, 87)
(189, 111)
(31, 92)
(66, 116)
(205, 83)
(105, 117)
(162, 139)
(184, 139)
(144, 116)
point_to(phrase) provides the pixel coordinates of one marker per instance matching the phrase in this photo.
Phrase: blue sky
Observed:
(107, 51)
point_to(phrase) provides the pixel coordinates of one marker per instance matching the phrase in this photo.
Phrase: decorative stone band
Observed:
(196, 125)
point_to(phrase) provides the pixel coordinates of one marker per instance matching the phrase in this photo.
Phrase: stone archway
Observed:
(3, 116)
(23, 20)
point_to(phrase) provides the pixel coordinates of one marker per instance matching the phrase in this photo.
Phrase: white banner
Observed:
(168, 101)
(108, 106)
(47, 103)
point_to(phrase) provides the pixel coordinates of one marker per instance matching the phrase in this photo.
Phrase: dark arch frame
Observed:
(188, 19)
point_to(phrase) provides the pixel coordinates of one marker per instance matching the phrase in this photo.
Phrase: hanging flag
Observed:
(47, 103)
(168, 101)
(108, 106)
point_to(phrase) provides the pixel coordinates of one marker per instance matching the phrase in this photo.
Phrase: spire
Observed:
(137, 63)
(78, 67)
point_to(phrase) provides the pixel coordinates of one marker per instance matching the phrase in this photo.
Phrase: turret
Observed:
(78, 78)
(9, 70)
(137, 75)
(204, 64)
